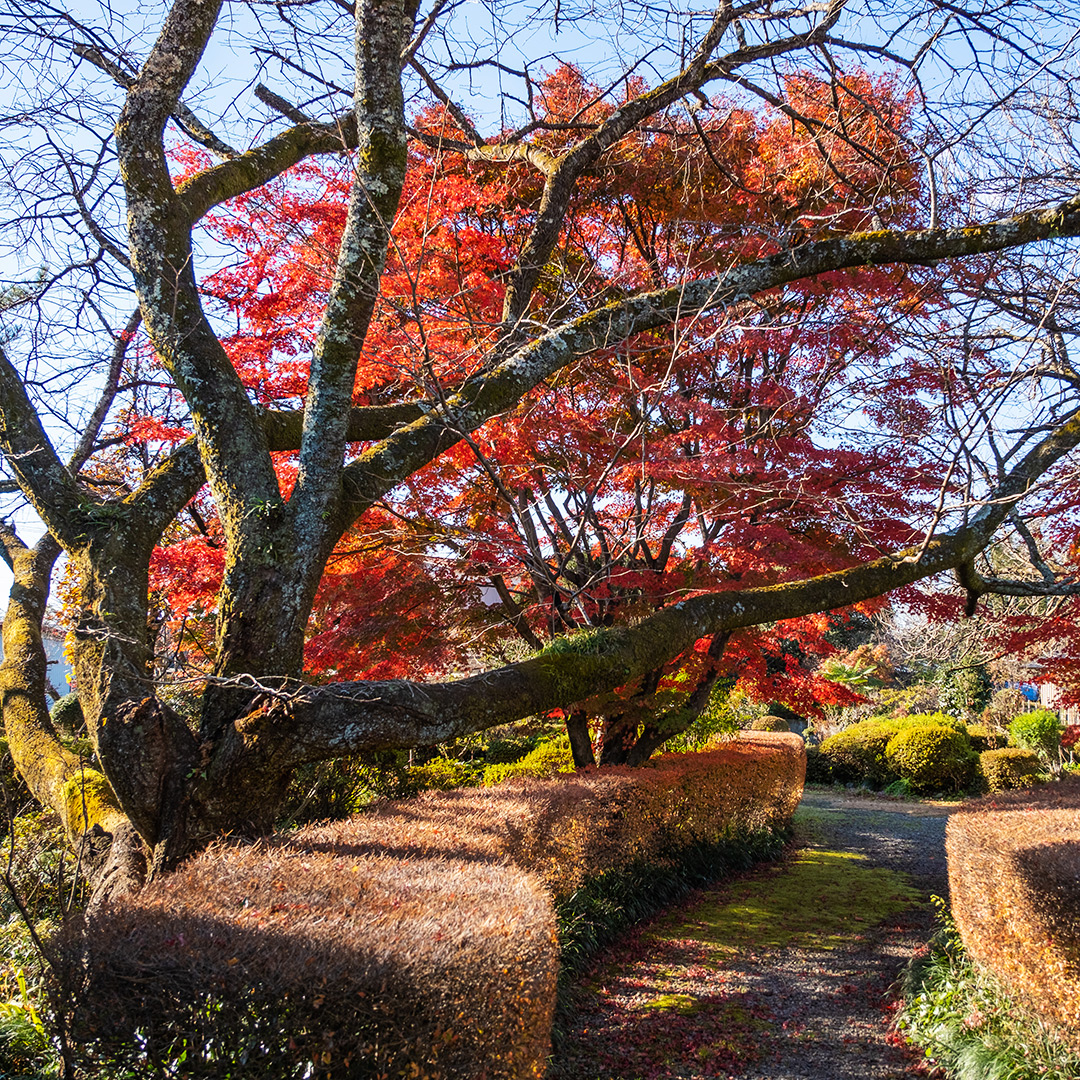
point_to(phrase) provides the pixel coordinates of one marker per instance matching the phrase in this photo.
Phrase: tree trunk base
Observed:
(117, 862)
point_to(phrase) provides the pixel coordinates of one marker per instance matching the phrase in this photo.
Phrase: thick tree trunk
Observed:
(577, 727)
(147, 752)
(115, 863)
(617, 738)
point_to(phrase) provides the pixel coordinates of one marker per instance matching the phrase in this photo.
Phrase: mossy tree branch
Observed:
(295, 723)
(382, 33)
(56, 777)
(66, 509)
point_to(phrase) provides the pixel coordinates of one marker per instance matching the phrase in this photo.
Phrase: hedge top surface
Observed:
(566, 827)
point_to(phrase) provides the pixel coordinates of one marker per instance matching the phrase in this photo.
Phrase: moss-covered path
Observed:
(780, 975)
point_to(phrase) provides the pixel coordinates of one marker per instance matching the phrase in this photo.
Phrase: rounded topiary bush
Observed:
(67, 714)
(770, 723)
(1009, 767)
(857, 754)
(934, 719)
(931, 757)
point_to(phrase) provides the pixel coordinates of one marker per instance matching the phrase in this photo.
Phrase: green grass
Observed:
(970, 1026)
(602, 908)
(821, 900)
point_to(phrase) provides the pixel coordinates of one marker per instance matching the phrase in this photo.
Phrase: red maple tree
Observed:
(688, 459)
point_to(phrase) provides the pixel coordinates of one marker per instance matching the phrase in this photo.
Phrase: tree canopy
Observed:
(371, 416)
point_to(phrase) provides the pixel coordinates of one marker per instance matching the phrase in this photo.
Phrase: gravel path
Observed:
(670, 1001)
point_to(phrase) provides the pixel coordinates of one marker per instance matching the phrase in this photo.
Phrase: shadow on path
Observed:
(783, 974)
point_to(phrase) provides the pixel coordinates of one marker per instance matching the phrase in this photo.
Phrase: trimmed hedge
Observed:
(1016, 895)
(769, 722)
(413, 940)
(281, 960)
(982, 738)
(1009, 767)
(860, 753)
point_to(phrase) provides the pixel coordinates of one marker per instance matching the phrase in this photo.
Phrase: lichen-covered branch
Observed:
(382, 32)
(486, 395)
(234, 450)
(296, 723)
(56, 777)
(49, 487)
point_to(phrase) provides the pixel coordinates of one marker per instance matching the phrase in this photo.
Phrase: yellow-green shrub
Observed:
(1039, 731)
(770, 723)
(442, 774)
(858, 752)
(931, 757)
(936, 719)
(1009, 767)
(550, 757)
(920, 719)
(1016, 895)
(982, 738)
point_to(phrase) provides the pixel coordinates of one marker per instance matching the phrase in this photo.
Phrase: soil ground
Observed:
(783, 974)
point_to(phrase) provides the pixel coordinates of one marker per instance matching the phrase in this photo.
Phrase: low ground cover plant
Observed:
(969, 1025)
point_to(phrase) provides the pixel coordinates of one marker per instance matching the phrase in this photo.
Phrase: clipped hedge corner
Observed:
(286, 959)
(414, 940)
(1015, 891)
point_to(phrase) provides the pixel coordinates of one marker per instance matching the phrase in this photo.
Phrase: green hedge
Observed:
(860, 754)
(1008, 768)
(932, 758)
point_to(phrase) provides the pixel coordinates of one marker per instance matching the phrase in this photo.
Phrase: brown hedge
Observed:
(413, 940)
(1015, 887)
(575, 826)
(265, 960)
